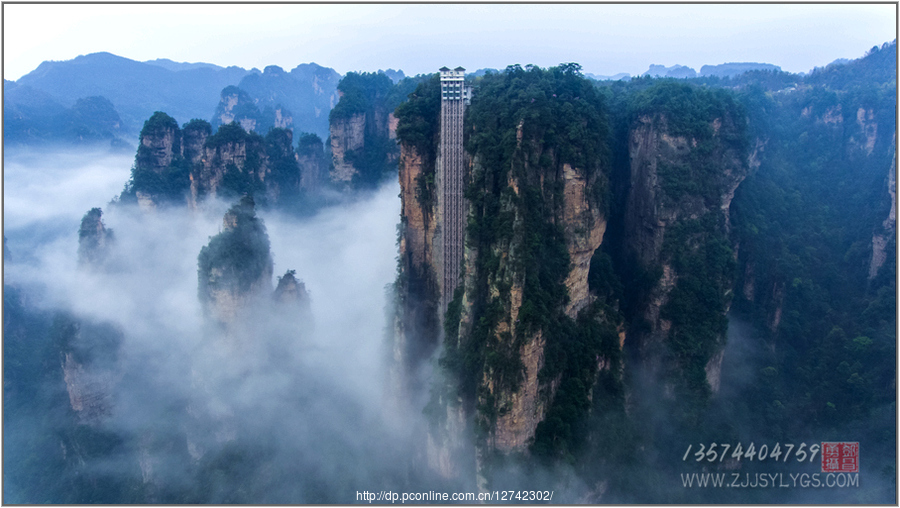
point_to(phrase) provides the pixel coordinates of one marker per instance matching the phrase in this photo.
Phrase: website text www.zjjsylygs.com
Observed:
(770, 480)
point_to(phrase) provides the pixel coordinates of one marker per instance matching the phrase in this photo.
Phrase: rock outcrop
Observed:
(347, 136)
(888, 230)
(160, 143)
(362, 129)
(190, 164)
(235, 268)
(292, 292)
(94, 240)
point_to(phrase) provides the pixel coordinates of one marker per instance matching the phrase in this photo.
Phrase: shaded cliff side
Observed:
(417, 324)
(237, 106)
(298, 100)
(817, 259)
(688, 152)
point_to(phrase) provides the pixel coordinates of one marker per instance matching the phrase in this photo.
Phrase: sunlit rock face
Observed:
(347, 135)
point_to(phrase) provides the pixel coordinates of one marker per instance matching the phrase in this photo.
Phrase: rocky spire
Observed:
(94, 240)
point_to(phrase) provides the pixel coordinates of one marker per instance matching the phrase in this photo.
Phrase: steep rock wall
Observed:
(311, 161)
(681, 188)
(521, 407)
(417, 326)
(888, 230)
(346, 135)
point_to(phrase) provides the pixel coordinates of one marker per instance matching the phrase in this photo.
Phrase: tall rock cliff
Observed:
(887, 232)
(347, 137)
(537, 214)
(363, 129)
(311, 159)
(417, 324)
(687, 154)
(88, 357)
(239, 107)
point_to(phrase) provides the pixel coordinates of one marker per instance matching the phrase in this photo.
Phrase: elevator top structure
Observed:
(453, 86)
(451, 166)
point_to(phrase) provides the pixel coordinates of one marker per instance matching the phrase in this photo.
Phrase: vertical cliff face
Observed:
(513, 397)
(887, 233)
(686, 160)
(160, 143)
(417, 323)
(233, 160)
(311, 160)
(89, 363)
(350, 139)
(536, 217)
(363, 129)
(160, 173)
(347, 136)
(194, 135)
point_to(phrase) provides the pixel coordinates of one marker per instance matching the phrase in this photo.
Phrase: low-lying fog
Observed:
(320, 415)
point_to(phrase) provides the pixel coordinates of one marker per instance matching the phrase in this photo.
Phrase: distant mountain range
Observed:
(38, 105)
(136, 89)
(725, 70)
(104, 97)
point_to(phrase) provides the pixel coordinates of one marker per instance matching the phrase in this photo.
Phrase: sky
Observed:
(419, 38)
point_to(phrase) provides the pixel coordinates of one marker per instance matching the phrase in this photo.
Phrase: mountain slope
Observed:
(136, 89)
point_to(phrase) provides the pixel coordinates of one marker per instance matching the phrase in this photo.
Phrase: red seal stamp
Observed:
(840, 457)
